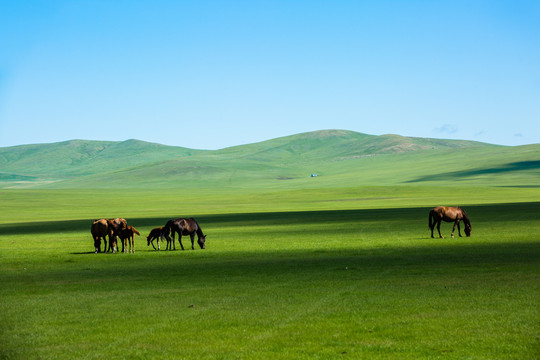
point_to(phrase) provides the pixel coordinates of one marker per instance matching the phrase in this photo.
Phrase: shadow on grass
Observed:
(507, 211)
(307, 267)
(510, 167)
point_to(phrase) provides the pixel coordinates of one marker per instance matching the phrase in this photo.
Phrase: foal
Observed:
(157, 233)
(128, 233)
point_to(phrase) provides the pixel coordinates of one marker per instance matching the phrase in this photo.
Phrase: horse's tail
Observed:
(168, 226)
(430, 219)
(166, 230)
(135, 231)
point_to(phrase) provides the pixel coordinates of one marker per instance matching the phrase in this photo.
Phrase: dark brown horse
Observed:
(449, 214)
(100, 230)
(184, 227)
(128, 234)
(157, 233)
(115, 225)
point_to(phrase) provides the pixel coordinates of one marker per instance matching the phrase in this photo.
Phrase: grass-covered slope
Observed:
(339, 158)
(75, 158)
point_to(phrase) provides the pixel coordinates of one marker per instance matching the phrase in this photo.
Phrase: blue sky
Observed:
(212, 74)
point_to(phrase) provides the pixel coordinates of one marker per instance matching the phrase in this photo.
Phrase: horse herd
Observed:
(118, 228)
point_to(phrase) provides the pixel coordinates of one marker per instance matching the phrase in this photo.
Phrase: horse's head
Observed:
(202, 241)
(468, 229)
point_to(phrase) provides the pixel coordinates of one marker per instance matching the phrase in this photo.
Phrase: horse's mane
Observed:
(465, 216)
(199, 230)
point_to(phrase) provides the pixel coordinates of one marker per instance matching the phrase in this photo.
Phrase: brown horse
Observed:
(185, 227)
(115, 225)
(128, 234)
(157, 233)
(449, 214)
(100, 230)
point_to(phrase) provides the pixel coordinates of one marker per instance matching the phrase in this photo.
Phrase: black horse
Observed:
(184, 226)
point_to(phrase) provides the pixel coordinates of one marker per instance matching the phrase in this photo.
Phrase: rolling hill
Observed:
(339, 158)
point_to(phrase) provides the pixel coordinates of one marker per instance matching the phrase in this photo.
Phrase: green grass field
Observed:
(289, 273)
(339, 266)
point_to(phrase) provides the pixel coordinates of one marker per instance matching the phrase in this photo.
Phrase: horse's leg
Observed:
(111, 243)
(180, 240)
(192, 240)
(458, 229)
(169, 241)
(454, 228)
(439, 229)
(431, 224)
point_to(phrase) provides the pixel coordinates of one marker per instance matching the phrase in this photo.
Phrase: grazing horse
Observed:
(100, 230)
(449, 214)
(185, 227)
(157, 233)
(128, 233)
(115, 225)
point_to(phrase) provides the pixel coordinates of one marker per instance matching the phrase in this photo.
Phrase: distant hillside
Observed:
(338, 157)
(82, 157)
(339, 144)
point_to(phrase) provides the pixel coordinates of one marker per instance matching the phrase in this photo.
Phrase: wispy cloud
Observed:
(519, 135)
(479, 133)
(446, 129)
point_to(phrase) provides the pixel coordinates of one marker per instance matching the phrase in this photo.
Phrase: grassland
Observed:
(350, 278)
(335, 267)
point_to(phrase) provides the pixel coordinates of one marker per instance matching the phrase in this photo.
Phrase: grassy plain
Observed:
(340, 266)
(287, 274)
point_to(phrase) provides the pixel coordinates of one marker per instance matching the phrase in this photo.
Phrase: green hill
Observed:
(76, 158)
(339, 158)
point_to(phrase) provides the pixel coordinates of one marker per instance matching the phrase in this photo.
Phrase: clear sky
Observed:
(212, 74)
